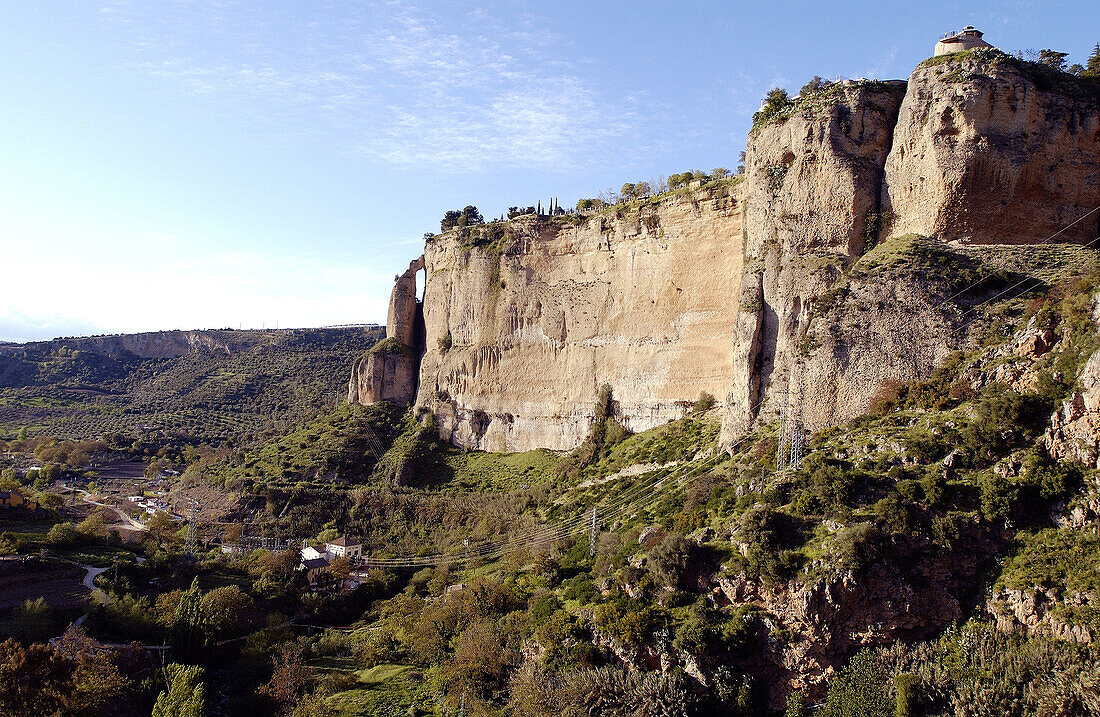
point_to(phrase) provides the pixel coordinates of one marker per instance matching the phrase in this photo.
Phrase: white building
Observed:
(968, 39)
(314, 552)
(344, 548)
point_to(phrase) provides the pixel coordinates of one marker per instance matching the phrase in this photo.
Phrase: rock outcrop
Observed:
(389, 371)
(811, 195)
(148, 345)
(1035, 612)
(1074, 432)
(989, 149)
(830, 617)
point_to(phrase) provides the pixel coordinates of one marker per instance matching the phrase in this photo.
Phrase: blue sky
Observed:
(185, 164)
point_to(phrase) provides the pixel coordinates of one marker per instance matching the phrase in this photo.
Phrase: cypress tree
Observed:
(189, 628)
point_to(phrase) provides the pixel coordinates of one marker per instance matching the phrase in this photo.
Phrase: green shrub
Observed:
(806, 503)
(542, 608)
(672, 559)
(704, 403)
(895, 514)
(948, 528)
(905, 688)
(63, 535)
(1064, 558)
(580, 588)
(778, 106)
(934, 486)
(860, 546)
(1002, 419)
(997, 496)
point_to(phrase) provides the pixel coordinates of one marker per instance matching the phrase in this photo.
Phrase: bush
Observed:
(704, 403)
(860, 546)
(671, 560)
(934, 486)
(1002, 418)
(948, 528)
(806, 503)
(63, 535)
(36, 620)
(580, 588)
(886, 397)
(777, 107)
(905, 686)
(895, 514)
(833, 481)
(998, 496)
(543, 607)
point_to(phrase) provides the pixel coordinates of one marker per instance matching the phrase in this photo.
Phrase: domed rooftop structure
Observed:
(968, 38)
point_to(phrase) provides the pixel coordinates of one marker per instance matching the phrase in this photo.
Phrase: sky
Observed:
(181, 164)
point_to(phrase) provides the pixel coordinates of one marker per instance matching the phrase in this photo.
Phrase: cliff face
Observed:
(991, 150)
(798, 292)
(811, 196)
(524, 329)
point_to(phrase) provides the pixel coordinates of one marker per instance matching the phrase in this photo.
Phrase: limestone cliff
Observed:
(148, 345)
(811, 195)
(989, 149)
(800, 291)
(525, 323)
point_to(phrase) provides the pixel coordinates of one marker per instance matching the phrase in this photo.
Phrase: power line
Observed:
(789, 454)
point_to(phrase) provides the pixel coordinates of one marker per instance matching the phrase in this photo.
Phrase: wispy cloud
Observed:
(398, 82)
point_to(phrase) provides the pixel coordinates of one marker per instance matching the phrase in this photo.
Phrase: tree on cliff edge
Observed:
(469, 215)
(1092, 67)
(1053, 58)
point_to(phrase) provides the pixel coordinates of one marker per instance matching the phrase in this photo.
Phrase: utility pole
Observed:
(462, 706)
(593, 532)
(782, 449)
(797, 446)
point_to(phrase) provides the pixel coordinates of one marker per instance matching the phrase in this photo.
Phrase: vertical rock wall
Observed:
(811, 187)
(525, 326)
(762, 296)
(991, 150)
(390, 370)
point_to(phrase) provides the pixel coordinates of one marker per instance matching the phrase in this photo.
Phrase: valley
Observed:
(821, 437)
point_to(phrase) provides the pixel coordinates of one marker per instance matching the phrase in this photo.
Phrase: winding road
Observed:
(87, 497)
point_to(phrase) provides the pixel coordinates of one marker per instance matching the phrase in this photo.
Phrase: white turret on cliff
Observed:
(968, 38)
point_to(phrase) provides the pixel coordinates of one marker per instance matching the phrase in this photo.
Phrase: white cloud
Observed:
(398, 83)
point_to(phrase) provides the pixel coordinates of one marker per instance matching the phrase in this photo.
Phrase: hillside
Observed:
(208, 386)
(817, 440)
(941, 546)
